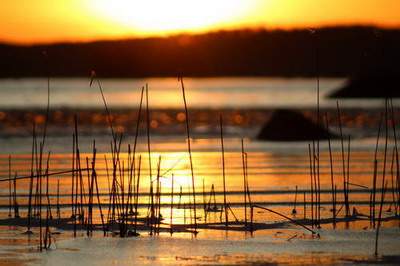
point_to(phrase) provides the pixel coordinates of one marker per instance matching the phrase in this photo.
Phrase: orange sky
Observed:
(32, 21)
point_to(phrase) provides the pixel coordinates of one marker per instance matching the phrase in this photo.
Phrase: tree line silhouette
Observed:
(329, 51)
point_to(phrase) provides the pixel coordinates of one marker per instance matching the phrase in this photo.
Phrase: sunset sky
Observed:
(28, 21)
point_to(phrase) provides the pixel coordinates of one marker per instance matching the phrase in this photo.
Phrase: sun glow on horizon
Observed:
(23, 21)
(155, 16)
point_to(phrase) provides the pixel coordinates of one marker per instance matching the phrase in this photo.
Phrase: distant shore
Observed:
(342, 52)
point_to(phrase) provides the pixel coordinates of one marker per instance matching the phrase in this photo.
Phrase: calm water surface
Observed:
(165, 93)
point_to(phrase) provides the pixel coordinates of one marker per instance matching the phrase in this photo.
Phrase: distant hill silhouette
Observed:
(342, 51)
(377, 84)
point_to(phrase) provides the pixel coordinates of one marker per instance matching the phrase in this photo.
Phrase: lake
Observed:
(235, 92)
(278, 173)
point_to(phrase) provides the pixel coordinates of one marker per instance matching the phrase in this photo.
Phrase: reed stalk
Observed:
(58, 200)
(9, 186)
(73, 178)
(397, 204)
(244, 184)
(348, 172)
(311, 185)
(31, 180)
(223, 170)
(392, 183)
(204, 202)
(378, 228)
(332, 175)
(137, 194)
(15, 203)
(346, 200)
(316, 218)
(189, 151)
(375, 174)
(318, 194)
(294, 211)
(247, 180)
(384, 182)
(151, 207)
(304, 206)
(172, 204)
(286, 217)
(47, 186)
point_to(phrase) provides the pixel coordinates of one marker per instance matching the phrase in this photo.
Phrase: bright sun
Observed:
(163, 16)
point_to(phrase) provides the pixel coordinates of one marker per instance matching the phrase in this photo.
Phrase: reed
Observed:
(212, 197)
(189, 204)
(223, 169)
(317, 176)
(189, 151)
(151, 197)
(180, 197)
(47, 234)
(397, 183)
(318, 182)
(15, 202)
(38, 174)
(345, 196)
(73, 178)
(294, 211)
(396, 187)
(91, 184)
(233, 214)
(384, 187)
(31, 180)
(41, 150)
(184, 213)
(316, 207)
(286, 217)
(58, 201)
(204, 202)
(110, 192)
(244, 184)
(137, 195)
(47, 187)
(133, 165)
(247, 180)
(251, 218)
(122, 214)
(158, 196)
(109, 116)
(392, 183)
(335, 200)
(159, 208)
(172, 204)
(40, 197)
(374, 178)
(332, 175)
(304, 206)
(129, 204)
(9, 187)
(348, 172)
(384, 182)
(311, 184)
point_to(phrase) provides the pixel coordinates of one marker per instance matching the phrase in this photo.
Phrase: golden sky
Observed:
(33, 21)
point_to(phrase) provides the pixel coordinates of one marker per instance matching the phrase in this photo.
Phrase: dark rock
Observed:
(288, 125)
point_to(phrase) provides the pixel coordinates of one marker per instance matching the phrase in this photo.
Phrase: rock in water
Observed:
(288, 125)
